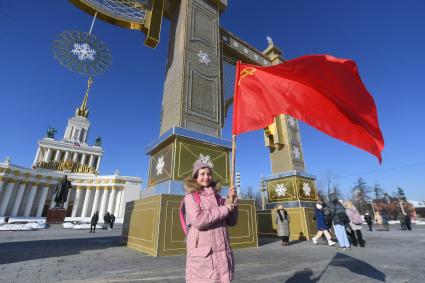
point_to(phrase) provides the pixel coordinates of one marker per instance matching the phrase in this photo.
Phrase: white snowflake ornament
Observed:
(291, 121)
(203, 58)
(281, 190)
(296, 152)
(83, 51)
(306, 189)
(160, 165)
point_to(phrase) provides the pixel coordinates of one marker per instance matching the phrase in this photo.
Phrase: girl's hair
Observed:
(191, 185)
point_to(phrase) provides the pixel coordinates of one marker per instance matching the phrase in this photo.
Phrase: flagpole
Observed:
(232, 173)
(232, 176)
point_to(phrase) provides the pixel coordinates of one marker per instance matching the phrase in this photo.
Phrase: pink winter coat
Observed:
(209, 256)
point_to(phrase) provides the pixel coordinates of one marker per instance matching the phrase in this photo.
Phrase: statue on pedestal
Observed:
(51, 132)
(61, 191)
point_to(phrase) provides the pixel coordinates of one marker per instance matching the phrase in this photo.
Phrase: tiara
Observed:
(204, 159)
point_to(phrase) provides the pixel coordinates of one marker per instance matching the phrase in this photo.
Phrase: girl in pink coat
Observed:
(209, 256)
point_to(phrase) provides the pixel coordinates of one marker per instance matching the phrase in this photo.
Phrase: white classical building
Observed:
(30, 191)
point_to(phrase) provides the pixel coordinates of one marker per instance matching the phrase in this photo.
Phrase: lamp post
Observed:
(263, 192)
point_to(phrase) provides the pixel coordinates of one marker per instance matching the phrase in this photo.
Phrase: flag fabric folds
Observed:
(321, 90)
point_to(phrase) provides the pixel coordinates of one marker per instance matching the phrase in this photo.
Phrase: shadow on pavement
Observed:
(354, 265)
(357, 266)
(30, 250)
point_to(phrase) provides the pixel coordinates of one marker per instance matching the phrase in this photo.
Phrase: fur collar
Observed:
(190, 186)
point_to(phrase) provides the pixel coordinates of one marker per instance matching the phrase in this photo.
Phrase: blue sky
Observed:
(385, 38)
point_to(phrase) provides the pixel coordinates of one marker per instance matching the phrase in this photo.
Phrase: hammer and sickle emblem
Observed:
(246, 72)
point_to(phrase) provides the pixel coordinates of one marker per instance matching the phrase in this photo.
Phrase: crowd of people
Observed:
(344, 219)
(339, 217)
(108, 221)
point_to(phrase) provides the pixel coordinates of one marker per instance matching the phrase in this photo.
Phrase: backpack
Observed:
(354, 216)
(182, 210)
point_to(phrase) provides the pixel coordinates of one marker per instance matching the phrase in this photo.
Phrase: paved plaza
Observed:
(68, 255)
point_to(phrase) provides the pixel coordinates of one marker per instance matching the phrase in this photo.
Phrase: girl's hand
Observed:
(230, 206)
(232, 193)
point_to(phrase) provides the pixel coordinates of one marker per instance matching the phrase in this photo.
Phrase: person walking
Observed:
(369, 220)
(112, 221)
(402, 219)
(408, 221)
(282, 221)
(321, 226)
(209, 255)
(355, 224)
(340, 221)
(93, 222)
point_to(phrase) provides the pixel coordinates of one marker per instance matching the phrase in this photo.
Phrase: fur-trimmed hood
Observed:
(190, 186)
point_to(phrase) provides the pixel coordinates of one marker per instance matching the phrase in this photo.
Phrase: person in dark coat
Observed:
(112, 220)
(93, 223)
(408, 222)
(106, 220)
(340, 221)
(282, 222)
(369, 220)
(322, 228)
(402, 219)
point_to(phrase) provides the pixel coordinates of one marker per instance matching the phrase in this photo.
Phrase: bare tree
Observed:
(379, 192)
(360, 195)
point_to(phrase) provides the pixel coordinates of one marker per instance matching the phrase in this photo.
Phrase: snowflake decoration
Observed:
(291, 121)
(256, 57)
(83, 51)
(160, 165)
(265, 62)
(235, 44)
(203, 58)
(245, 51)
(205, 159)
(281, 190)
(225, 38)
(306, 189)
(269, 40)
(296, 152)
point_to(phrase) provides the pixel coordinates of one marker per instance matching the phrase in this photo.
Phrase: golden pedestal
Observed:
(298, 194)
(301, 225)
(152, 226)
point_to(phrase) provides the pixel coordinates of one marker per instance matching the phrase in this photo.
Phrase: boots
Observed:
(360, 238)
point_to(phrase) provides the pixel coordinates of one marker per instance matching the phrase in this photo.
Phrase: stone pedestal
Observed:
(56, 215)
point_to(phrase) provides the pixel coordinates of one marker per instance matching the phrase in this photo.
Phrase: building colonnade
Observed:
(28, 198)
(47, 154)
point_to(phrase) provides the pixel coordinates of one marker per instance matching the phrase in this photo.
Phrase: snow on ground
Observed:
(30, 226)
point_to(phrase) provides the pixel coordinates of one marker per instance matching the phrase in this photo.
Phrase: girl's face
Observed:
(204, 177)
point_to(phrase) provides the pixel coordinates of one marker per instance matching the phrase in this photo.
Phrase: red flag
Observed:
(323, 91)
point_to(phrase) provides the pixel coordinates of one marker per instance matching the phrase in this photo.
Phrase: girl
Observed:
(282, 221)
(356, 223)
(322, 228)
(209, 256)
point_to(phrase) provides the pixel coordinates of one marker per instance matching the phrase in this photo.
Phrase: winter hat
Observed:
(318, 206)
(198, 165)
